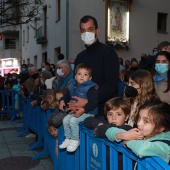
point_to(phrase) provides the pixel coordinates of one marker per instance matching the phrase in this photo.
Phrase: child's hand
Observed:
(133, 134)
(95, 129)
(33, 103)
(125, 142)
(79, 112)
(44, 105)
(62, 105)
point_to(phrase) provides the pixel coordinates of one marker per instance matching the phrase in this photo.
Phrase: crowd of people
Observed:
(122, 101)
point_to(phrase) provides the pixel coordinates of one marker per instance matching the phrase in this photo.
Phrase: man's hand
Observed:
(79, 112)
(78, 103)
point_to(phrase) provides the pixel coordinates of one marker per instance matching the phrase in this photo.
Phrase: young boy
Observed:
(117, 111)
(82, 87)
(54, 122)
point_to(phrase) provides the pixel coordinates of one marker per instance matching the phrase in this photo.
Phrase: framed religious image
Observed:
(118, 22)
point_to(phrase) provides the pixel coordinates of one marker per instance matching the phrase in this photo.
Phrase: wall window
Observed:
(35, 27)
(44, 20)
(10, 43)
(58, 10)
(44, 57)
(35, 61)
(28, 34)
(162, 22)
(23, 37)
(28, 60)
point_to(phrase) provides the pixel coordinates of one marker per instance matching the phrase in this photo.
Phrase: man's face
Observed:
(89, 27)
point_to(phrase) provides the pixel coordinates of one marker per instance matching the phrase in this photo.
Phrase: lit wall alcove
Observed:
(117, 26)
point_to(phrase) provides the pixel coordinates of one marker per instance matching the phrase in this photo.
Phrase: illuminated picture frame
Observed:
(118, 23)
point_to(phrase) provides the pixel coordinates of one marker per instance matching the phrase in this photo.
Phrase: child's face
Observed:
(53, 131)
(82, 75)
(145, 123)
(135, 85)
(116, 117)
(58, 96)
(8, 86)
(167, 48)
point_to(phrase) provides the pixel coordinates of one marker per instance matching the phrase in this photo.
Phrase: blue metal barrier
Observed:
(7, 99)
(102, 154)
(93, 153)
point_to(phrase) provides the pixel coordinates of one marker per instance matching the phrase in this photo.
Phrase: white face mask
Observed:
(60, 73)
(88, 37)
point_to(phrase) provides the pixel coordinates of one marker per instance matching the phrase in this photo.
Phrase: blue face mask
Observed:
(155, 52)
(161, 68)
(23, 69)
(43, 69)
(72, 66)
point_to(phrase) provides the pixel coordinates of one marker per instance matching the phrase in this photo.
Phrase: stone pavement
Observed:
(13, 150)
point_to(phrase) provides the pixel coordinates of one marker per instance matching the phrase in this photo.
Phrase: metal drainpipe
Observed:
(67, 29)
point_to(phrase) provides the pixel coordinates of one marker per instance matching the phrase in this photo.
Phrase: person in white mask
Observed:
(63, 73)
(102, 59)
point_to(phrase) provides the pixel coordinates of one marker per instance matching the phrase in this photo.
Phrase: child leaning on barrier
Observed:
(82, 87)
(54, 122)
(51, 97)
(117, 111)
(154, 123)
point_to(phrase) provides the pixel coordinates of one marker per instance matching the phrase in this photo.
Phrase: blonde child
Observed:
(141, 89)
(154, 123)
(82, 87)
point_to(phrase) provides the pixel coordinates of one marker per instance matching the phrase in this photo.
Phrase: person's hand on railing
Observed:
(33, 103)
(133, 134)
(44, 105)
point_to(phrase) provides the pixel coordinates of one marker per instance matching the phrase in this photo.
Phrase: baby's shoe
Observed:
(65, 143)
(74, 144)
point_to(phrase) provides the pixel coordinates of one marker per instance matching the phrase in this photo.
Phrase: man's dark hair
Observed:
(60, 56)
(87, 18)
(24, 65)
(47, 63)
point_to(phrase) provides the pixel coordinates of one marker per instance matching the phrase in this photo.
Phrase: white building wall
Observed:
(66, 34)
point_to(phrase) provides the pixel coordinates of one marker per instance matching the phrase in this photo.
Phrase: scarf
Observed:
(159, 79)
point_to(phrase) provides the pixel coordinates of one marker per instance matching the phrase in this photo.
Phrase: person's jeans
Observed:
(71, 125)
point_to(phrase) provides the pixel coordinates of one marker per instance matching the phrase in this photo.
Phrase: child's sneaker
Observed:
(65, 143)
(74, 144)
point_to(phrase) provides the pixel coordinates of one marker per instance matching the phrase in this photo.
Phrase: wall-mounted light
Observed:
(8, 63)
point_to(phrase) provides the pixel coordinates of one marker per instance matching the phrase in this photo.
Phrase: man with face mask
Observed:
(32, 83)
(63, 73)
(63, 77)
(102, 59)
